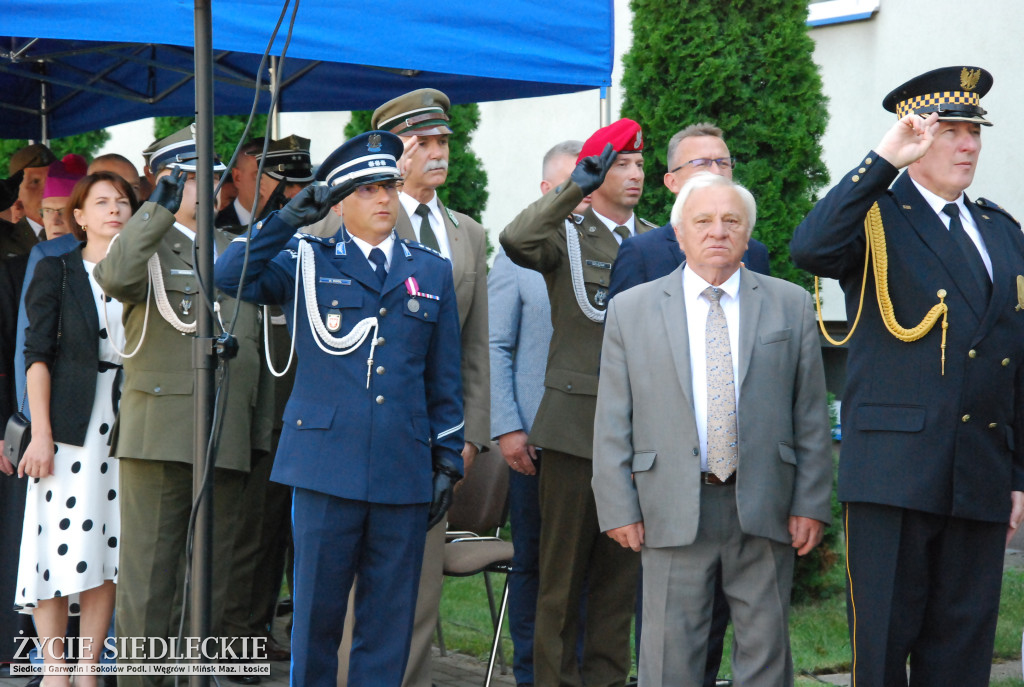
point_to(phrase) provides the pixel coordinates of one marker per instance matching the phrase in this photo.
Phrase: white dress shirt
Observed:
(386, 246)
(936, 203)
(436, 222)
(697, 308)
(243, 212)
(629, 224)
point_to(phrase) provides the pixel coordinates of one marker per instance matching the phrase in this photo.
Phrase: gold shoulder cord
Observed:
(875, 234)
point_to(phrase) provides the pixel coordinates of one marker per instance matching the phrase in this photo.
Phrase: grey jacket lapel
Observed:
(673, 313)
(750, 313)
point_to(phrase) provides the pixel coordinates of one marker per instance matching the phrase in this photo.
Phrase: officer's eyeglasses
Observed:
(54, 212)
(722, 162)
(368, 191)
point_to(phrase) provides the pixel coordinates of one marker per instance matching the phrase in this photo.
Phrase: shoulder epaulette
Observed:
(309, 237)
(987, 204)
(451, 216)
(650, 225)
(420, 246)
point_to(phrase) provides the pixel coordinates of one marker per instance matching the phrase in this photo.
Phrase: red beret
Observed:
(624, 135)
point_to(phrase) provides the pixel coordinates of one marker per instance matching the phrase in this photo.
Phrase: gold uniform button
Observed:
(862, 170)
(867, 160)
(993, 425)
(856, 178)
(965, 418)
(380, 370)
(972, 353)
(383, 312)
(380, 400)
(1006, 361)
(298, 423)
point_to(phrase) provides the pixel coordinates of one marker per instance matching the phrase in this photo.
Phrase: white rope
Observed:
(572, 243)
(267, 322)
(346, 344)
(145, 317)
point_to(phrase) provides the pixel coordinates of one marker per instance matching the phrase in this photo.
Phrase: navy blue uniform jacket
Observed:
(949, 444)
(646, 257)
(340, 438)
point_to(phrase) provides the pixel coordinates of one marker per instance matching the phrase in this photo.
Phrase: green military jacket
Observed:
(156, 417)
(536, 239)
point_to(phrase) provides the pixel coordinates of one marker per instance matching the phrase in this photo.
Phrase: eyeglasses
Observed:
(367, 191)
(59, 212)
(722, 162)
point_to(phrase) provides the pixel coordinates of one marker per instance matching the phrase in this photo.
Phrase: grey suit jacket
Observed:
(468, 243)
(646, 450)
(520, 331)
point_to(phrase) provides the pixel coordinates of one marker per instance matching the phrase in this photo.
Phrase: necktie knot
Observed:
(951, 209)
(622, 232)
(427, 236)
(380, 264)
(713, 294)
(423, 210)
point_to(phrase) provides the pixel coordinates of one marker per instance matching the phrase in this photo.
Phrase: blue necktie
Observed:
(975, 265)
(377, 258)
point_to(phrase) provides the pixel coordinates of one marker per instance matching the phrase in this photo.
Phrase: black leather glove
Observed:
(169, 189)
(312, 204)
(9, 189)
(446, 474)
(590, 171)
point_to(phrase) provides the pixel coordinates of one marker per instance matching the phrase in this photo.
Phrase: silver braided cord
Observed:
(572, 243)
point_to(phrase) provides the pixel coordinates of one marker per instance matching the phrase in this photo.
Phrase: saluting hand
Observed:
(169, 190)
(591, 171)
(908, 139)
(312, 203)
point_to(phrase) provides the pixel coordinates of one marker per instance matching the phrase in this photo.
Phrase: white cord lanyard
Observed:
(572, 244)
(305, 268)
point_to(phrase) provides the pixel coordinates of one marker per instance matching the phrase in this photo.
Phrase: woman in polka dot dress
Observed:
(69, 549)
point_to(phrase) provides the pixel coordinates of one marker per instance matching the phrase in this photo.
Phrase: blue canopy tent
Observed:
(68, 66)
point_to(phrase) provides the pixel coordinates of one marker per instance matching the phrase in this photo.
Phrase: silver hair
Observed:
(708, 180)
(568, 148)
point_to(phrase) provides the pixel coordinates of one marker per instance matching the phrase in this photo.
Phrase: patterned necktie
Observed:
(721, 389)
(969, 249)
(622, 231)
(427, 237)
(377, 258)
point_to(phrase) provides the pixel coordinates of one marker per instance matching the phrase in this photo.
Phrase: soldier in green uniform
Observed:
(575, 254)
(153, 436)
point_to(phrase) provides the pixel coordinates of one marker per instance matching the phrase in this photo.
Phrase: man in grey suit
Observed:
(724, 463)
(520, 331)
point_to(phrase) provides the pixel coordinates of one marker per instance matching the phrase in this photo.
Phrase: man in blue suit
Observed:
(372, 435)
(646, 257)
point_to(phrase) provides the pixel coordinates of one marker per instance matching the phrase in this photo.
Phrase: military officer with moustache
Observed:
(149, 268)
(575, 255)
(373, 431)
(932, 466)
(420, 118)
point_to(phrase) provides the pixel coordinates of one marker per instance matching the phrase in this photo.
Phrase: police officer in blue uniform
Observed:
(932, 464)
(373, 430)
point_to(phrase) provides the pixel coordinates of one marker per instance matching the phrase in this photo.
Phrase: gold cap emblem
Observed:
(969, 78)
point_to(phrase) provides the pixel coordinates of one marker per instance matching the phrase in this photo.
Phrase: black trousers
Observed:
(922, 586)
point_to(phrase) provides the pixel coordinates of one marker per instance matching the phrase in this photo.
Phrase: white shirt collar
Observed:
(410, 204)
(36, 227)
(694, 284)
(243, 212)
(186, 231)
(936, 203)
(629, 223)
(387, 245)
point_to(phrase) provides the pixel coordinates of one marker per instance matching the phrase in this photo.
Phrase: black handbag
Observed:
(18, 433)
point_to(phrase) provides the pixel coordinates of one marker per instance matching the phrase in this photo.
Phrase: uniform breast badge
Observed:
(333, 320)
(186, 305)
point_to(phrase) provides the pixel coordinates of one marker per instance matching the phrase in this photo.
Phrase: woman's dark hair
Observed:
(80, 192)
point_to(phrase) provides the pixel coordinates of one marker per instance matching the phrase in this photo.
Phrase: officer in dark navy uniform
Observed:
(932, 465)
(373, 431)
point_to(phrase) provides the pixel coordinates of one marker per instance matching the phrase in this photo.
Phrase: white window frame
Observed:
(838, 11)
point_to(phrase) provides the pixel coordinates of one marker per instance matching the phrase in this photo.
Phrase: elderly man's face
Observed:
(714, 232)
(30, 193)
(54, 217)
(948, 167)
(696, 148)
(425, 160)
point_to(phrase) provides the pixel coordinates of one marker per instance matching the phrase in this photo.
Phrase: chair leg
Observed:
(494, 619)
(496, 645)
(440, 636)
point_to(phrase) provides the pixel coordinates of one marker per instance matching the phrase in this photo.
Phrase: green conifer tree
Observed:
(85, 145)
(746, 66)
